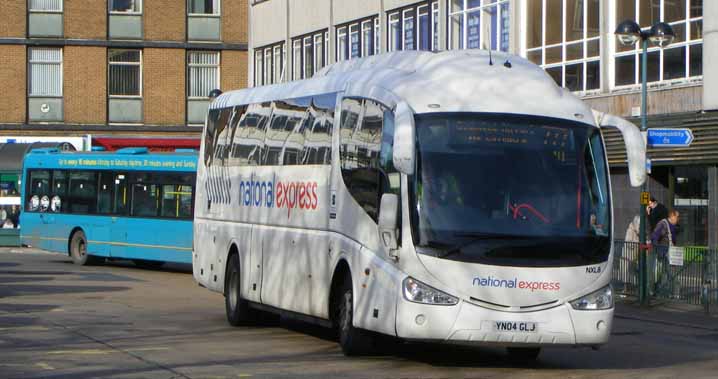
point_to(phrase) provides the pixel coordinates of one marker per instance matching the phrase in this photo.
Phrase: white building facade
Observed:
(572, 40)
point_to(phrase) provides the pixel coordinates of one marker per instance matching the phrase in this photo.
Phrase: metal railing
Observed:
(695, 282)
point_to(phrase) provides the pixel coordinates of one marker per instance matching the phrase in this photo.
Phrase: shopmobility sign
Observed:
(663, 137)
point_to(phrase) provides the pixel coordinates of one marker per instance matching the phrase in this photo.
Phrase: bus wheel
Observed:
(237, 309)
(78, 250)
(354, 341)
(523, 354)
(146, 264)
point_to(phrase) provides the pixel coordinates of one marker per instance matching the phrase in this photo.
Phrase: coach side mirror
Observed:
(635, 144)
(388, 222)
(404, 151)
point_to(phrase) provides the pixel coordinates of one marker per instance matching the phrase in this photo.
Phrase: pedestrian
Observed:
(662, 239)
(655, 212)
(633, 233)
(629, 255)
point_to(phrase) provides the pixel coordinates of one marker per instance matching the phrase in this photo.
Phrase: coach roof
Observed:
(449, 81)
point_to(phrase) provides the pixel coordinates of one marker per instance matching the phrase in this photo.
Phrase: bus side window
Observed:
(361, 144)
(318, 134)
(121, 194)
(239, 130)
(276, 133)
(105, 192)
(83, 192)
(58, 192)
(221, 137)
(177, 201)
(145, 200)
(39, 186)
(209, 136)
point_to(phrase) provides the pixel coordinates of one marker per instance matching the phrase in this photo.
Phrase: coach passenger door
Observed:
(367, 172)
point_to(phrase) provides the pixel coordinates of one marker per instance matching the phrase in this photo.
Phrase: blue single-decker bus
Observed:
(128, 204)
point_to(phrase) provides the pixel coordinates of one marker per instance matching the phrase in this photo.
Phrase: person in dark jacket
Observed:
(662, 238)
(665, 232)
(655, 212)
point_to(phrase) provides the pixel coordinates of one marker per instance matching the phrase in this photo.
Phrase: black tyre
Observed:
(146, 264)
(78, 250)
(353, 341)
(523, 354)
(237, 309)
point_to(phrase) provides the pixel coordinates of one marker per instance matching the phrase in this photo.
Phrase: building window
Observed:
(466, 18)
(268, 64)
(358, 39)
(681, 60)
(203, 7)
(297, 59)
(125, 73)
(45, 72)
(46, 5)
(414, 27)
(278, 63)
(569, 51)
(341, 44)
(125, 6)
(203, 74)
(309, 54)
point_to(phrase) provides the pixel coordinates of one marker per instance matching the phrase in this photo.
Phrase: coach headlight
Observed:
(418, 292)
(598, 300)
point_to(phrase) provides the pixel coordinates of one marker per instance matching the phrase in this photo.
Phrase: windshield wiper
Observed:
(472, 238)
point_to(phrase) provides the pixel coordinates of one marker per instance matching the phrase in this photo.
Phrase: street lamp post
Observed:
(661, 34)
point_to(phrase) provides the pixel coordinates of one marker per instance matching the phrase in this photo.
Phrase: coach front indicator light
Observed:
(598, 300)
(418, 292)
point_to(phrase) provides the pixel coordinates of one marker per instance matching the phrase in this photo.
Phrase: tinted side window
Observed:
(209, 136)
(145, 199)
(221, 143)
(39, 187)
(83, 192)
(294, 130)
(318, 133)
(105, 196)
(59, 201)
(176, 201)
(276, 134)
(238, 122)
(365, 153)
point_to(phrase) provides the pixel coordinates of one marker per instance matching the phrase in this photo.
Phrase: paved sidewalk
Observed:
(690, 316)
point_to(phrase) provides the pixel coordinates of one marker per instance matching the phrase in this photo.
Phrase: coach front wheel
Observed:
(353, 341)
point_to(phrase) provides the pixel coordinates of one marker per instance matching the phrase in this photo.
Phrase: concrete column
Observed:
(289, 56)
(713, 207)
(443, 25)
(606, 35)
(384, 33)
(332, 35)
(710, 55)
(516, 27)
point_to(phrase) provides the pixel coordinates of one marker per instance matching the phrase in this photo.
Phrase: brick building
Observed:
(117, 68)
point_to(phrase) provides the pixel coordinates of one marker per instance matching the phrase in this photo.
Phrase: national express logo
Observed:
(490, 281)
(278, 194)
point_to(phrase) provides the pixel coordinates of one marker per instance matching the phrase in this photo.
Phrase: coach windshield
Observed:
(510, 190)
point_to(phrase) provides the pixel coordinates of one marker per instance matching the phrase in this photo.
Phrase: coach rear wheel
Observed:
(353, 341)
(237, 309)
(523, 354)
(78, 250)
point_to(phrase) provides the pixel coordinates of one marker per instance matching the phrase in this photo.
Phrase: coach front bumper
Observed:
(469, 323)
